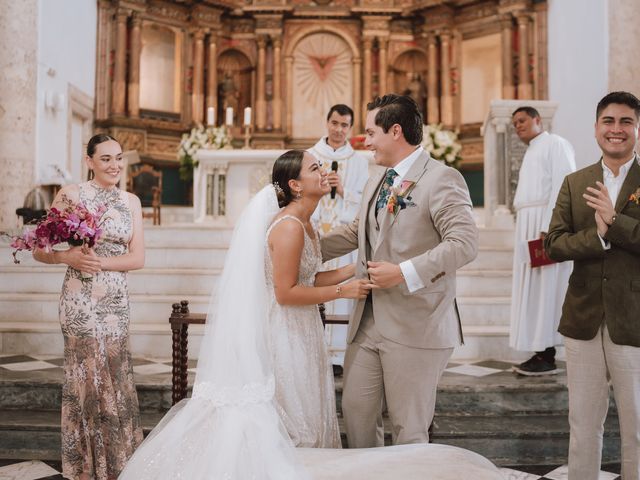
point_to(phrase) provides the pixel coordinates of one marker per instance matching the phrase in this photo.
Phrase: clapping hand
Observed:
(599, 200)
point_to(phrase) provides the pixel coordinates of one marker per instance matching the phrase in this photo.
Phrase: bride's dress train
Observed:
(231, 429)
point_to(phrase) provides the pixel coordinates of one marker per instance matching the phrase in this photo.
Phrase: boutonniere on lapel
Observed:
(635, 197)
(399, 198)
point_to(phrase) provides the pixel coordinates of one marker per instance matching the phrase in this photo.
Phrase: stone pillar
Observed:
(366, 89)
(445, 79)
(261, 101)
(212, 77)
(524, 83)
(134, 68)
(357, 95)
(288, 65)
(19, 107)
(197, 97)
(119, 71)
(506, 23)
(277, 84)
(433, 106)
(382, 66)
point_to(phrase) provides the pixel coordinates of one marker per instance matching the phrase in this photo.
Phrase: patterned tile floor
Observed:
(158, 371)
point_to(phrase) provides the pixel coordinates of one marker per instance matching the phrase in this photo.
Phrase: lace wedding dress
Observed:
(305, 393)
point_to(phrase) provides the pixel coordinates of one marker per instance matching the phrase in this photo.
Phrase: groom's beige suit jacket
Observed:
(437, 233)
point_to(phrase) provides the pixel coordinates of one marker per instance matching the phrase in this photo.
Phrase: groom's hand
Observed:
(385, 274)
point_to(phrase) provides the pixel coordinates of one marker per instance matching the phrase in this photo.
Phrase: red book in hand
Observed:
(537, 255)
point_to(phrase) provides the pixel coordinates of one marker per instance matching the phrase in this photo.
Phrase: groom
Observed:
(414, 230)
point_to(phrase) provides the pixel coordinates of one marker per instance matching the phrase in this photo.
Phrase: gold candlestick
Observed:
(247, 137)
(229, 146)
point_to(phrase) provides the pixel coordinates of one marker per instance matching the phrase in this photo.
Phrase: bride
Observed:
(264, 383)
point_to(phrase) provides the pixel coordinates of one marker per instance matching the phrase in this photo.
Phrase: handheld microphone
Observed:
(334, 168)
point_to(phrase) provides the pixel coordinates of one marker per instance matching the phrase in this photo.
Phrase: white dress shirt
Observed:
(614, 184)
(409, 272)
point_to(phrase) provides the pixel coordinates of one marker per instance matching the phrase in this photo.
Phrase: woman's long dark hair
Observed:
(287, 167)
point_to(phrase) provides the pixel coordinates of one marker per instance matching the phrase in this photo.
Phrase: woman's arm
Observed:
(286, 242)
(333, 277)
(134, 259)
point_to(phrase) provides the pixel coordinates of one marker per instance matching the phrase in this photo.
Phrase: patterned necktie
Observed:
(385, 189)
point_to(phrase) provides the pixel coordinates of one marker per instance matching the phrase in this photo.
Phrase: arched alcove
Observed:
(235, 78)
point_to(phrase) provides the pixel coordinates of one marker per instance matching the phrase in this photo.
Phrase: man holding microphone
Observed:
(348, 173)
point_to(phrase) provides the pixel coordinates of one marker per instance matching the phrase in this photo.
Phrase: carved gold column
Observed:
(277, 84)
(366, 89)
(261, 102)
(288, 65)
(197, 97)
(433, 106)
(357, 98)
(119, 71)
(508, 91)
(382, 66)
(134, 68)
(212, 78)
(103, 59)
(524, 85)
(445, 80)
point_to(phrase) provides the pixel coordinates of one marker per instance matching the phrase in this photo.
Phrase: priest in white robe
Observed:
(348, 181)
(537, 293)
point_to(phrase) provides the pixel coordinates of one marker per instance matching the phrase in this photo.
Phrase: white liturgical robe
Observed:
(353, 169)
(538, 293)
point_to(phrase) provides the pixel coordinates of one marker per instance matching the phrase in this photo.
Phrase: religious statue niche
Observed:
(322, 77)
(234, 84)
(160, 68)
(409, 74)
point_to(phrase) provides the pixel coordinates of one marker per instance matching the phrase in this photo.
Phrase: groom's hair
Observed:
(400, 109)
(286, 167)
(622, 98)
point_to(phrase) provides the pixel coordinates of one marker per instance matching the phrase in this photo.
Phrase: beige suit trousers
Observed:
(378, 370)
(589, 365)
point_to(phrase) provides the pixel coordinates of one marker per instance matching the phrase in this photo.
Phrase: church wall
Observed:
(19, 38)
(66, 84)
(578, 70)
(624, 47)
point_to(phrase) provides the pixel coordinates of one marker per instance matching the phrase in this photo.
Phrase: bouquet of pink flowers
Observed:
(74, 225)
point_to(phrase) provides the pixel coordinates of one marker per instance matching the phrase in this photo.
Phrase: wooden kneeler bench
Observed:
(180, 320)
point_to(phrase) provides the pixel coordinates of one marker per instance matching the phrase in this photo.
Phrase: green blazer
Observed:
(605, 284)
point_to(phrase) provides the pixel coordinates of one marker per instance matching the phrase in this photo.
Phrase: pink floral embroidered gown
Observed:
(100, 415)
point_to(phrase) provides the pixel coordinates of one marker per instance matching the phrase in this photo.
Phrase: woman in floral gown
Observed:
(100, 415)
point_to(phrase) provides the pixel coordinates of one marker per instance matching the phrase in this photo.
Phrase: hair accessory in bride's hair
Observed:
(279, 191)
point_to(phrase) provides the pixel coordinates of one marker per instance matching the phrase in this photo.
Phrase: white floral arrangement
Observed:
(213, 138)
(442, 144)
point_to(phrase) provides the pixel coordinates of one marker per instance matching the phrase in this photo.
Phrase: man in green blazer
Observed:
(596, 223)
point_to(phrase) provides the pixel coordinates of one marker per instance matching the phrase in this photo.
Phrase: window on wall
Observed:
(481, 79)
(160, 67)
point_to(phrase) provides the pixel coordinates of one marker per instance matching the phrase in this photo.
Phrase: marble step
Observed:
(522, 440)
(192, 281)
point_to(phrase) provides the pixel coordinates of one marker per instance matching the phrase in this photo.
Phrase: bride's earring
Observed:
(299, 194)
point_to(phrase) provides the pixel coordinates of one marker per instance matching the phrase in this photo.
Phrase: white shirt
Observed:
(614, 184)
(411, 277)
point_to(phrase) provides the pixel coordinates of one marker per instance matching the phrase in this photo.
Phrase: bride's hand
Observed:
(357, 289)
(349, 270)
(76, 258)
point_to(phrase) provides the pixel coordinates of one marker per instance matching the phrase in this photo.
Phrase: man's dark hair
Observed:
(400, 109)
(621, 98)
(532, 112)
(342, 109)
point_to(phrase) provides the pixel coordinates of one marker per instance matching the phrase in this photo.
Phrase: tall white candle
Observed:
(211, 116)
(247, 116)
(229, 116)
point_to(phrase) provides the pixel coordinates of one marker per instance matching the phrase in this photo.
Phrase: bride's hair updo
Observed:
(287, 167)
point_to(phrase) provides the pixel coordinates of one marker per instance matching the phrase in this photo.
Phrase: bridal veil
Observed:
(229, 429)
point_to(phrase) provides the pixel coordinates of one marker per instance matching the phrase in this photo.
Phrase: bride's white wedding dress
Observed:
(262, 371)
(305, 393)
